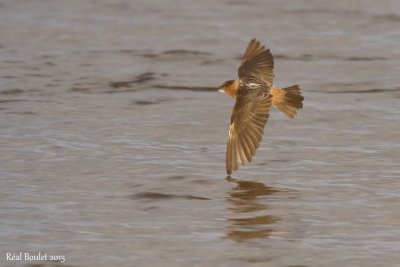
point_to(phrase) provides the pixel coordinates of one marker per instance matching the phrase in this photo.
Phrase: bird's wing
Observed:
(257, 63)
(249, 117)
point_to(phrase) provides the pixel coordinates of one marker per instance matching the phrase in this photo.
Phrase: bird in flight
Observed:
(255, 93)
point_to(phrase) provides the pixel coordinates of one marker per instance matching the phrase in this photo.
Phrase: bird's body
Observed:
(254, 93)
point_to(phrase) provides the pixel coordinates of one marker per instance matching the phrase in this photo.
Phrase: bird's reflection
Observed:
(250, 219)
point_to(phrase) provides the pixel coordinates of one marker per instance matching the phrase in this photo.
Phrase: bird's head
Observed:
(229, 87)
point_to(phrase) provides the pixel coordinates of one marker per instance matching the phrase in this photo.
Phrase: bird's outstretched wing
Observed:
(249, 117)
(253, 101)
(257, 64)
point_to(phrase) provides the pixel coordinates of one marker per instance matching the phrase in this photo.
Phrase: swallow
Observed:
(255, 93)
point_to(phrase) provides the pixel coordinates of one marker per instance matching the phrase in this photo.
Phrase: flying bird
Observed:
(255, 93)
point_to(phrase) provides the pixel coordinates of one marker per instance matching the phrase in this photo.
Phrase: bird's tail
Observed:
(288, 99)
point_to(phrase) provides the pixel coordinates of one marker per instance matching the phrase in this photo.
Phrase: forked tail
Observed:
(288, 99)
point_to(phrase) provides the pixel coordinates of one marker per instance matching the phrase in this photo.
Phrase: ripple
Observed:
(158, 196)
(141, 78)
(12, 92)
(188, 88)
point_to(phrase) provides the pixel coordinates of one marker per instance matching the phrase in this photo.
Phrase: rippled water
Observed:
(112, 137)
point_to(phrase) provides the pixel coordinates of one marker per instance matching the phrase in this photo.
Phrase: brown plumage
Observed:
(254, 95)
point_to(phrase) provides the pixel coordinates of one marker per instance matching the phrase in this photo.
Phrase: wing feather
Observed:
(257, 62)
(245, 146)
(249, 117)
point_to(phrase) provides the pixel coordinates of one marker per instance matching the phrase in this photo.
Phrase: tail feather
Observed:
(289, 100)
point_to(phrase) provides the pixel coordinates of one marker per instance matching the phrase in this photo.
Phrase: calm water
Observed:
(112, 139)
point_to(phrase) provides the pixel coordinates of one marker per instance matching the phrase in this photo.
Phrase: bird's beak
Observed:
(221, 89)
